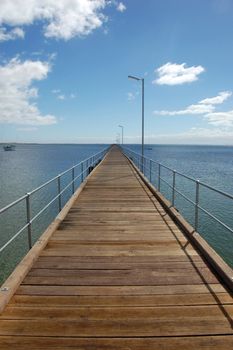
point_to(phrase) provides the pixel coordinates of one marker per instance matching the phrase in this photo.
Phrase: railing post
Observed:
(59, 191)
(196, 205)
(173, 187)
(73, 189)
(28, 207)
(159, 172)
(150, 170)
(82, 169)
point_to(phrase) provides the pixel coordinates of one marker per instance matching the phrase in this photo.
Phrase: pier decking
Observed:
(118, 273)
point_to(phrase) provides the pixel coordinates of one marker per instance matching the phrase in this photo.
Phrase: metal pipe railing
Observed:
(137, 160)
(84, 170)
(12, 204)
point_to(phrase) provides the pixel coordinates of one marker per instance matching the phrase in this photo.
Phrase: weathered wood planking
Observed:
(118, 274)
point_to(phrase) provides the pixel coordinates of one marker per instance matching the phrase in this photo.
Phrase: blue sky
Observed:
(64, 67)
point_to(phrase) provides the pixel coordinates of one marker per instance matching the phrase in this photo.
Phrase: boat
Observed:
(9, 148)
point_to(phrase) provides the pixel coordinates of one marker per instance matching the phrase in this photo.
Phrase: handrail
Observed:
(86, 166)
(140, 161)
(12, 204)
(184, 175)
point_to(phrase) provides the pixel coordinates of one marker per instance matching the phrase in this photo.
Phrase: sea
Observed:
(31, 165)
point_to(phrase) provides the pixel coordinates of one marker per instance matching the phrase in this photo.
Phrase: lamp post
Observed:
(142, 81)
(122, 133)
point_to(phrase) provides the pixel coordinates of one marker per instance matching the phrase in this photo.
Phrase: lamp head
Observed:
(133, 77)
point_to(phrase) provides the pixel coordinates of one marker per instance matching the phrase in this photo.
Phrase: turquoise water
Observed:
(31, 165)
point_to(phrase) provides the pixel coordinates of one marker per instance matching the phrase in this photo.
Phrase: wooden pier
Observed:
(116, 273)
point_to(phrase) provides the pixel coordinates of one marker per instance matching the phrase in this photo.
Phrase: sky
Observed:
(64, 69)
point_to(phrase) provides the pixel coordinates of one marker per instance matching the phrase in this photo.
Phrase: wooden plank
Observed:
(116, 281)
(78, 263)
(164, 237)
(121, 327)
(81, 249)
(160, 314)
(118, 277)
(218, 342)
(123, 300)
(121, 290)
(152, 259)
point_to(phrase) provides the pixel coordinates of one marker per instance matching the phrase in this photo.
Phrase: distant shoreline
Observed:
(126, 144)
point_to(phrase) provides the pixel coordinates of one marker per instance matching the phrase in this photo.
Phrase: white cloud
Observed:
(56, 91)
(208, 136)
(204, 134)
(121, 7)
(222, 96)
(207, 108)
(16, 33)
(221, 119)
(130, 96)
(192, 109)
(176, 74)
(62, 19)
(17, 95)
(194, 136)
(61, 97)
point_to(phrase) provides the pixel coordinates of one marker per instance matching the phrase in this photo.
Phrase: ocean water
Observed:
(23, 170)
(32, 164)
(212, 165)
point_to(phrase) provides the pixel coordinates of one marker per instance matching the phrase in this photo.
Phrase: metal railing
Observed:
(85, 167)
(146, 166)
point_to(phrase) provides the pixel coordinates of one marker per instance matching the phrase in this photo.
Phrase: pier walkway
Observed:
(118, 273)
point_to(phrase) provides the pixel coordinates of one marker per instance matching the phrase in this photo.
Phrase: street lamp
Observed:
(142, 80)
(122, 133)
